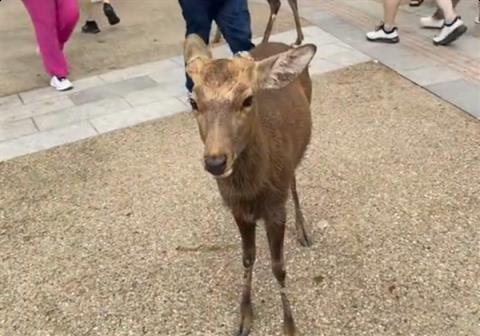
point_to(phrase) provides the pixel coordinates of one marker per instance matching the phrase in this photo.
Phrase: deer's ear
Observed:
(280, 70)
(195, 52)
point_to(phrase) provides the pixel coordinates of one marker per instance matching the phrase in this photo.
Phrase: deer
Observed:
(253, 115)
(274, 8)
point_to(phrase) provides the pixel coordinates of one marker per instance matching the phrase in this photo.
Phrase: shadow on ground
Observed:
(124, 234)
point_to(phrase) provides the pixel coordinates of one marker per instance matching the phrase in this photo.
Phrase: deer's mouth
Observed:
(226, 174)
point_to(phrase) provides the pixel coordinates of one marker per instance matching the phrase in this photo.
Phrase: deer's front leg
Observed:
(275, 225)
(247, 232)
(298, 24)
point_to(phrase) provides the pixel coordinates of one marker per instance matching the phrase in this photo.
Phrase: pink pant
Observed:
(54, 22)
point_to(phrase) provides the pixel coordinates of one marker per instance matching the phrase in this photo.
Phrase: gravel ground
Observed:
(124, 234)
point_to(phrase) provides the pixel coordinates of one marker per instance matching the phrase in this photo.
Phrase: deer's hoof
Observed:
(305, 240)
(289, 329)
(243, 331)
(298, 42)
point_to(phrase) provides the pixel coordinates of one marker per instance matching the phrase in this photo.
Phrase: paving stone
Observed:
(319, 66)
(347, 58)
(50, 93)
(139, 70)
(328, 51)
(468, 45)
(431, 75)
(324, 39)
(78, 113)
(221, 52)
(15, 129)
(45, 140)
(138, 115)
(7, 101)
(161, 92)
(315, 15)
(173, 76)
(34, 109)
(178, 60)
(462, 93)
(117, 89)
(398, 57)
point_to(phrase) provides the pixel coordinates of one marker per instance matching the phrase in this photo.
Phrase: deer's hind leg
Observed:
(274, 8)
(275, 226)
(298, 25)
(302, 236)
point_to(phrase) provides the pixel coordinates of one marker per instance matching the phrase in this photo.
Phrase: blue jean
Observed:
(231, 16)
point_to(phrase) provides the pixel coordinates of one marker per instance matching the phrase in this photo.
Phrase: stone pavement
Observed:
(452, 73)
(41, 119)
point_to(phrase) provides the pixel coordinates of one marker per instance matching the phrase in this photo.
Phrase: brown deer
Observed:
(274, 8)
(253, 114)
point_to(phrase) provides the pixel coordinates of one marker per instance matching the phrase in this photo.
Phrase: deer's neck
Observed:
(250, 169)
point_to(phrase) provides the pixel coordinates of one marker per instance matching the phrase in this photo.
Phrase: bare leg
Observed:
(247, 231)
(298, 25)
(302, 235)
(275, 226)
(447, 9)
(274, 7)
(439, 14)
(89, 11)
(390, 9)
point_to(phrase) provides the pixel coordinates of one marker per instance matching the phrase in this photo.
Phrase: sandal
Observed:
(415, 3)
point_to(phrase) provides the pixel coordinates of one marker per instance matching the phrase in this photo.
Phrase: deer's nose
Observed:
(216, 164)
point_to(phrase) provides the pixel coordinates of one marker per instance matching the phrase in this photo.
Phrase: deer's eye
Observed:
(248, 102)
(193, 103)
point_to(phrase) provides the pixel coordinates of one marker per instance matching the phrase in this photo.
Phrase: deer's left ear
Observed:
(195, 53)
(280, 70)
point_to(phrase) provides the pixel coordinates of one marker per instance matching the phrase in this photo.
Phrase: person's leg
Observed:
(439, 13)
(453, 27)
(110, 13)
(390, 10)
(67, 18)
(436, 20)
(233, 19)
(44, 18)
(90, 26)
(447, 9)
(387, 31)
(198, 19)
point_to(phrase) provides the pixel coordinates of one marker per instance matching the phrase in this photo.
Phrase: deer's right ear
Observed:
(280, 70)
(195, 51)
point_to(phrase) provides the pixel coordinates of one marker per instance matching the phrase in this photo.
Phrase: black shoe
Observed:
(109, 12)
(90, 27)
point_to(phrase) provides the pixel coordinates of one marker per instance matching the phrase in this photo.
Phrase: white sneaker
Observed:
(61, 84)
(431, 22)
(450, 32)
(381, 35)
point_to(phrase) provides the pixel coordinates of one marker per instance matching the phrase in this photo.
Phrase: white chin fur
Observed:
(225, 175)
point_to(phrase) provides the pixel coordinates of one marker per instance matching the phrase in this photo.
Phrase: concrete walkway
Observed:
(41, 119)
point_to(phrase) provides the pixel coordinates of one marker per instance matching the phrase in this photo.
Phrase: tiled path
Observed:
(41, 119)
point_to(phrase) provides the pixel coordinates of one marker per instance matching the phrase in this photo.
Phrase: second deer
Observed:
(274, 8)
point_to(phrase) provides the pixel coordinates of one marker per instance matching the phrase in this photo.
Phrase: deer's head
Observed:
(224, 96)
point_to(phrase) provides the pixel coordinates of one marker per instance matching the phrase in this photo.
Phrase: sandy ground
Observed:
(124, 234)
(148, 32)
